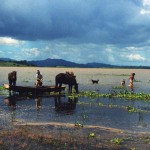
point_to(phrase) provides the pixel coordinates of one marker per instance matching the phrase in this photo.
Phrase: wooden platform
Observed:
(32, 89)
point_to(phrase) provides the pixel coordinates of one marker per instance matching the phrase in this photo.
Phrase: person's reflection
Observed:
(11, 102)
(38, 103)
(141, 122)
(65, 107)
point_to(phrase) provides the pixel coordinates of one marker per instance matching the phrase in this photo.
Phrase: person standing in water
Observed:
(39, 79)
(131, 78)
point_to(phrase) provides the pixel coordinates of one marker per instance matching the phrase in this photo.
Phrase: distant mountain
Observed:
(54, 63)
(63, 63)
(99, 65)
(5, 59)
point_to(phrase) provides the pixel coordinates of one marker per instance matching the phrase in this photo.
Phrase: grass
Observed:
(28, 138)
(116, 141)
(102, 74)
(114, 94)
(26, 81)
(2, 88)
(91, 135)
(11, 64)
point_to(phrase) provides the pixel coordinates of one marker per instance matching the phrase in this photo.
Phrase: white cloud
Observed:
(8, 41)
(143, 11)
(109, 50)
(146, 2)
(132, 48)
(146, 9)
(134, 57)
(32, 52)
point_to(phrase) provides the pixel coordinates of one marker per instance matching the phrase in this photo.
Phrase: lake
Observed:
(108, 112)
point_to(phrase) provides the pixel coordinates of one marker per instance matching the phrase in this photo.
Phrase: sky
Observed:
(114, 32)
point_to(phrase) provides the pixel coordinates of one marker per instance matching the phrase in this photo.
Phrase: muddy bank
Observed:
(68, 136)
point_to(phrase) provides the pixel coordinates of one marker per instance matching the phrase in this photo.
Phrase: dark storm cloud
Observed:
(97, 21)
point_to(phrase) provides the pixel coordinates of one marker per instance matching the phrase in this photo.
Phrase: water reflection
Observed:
(38, 102)
(141, 122)
(11, 102)
(99, 112)
(131, 88)
(66, 107)
(61, 104)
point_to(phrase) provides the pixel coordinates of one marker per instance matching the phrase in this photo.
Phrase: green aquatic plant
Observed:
(91, 135)
(103, 74)
(136, 80)
(26, 81)
(77, 124)
(147, 139)
(120, 74)
(116, 94)
(116, 141)
(2, 88)
(131, 109)
(3, 91)
(133, 148)
(73, 96)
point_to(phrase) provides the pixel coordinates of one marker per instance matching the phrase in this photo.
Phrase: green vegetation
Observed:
(77, 124)
(91, 135)
(116, 141)
(102, 74)
(115, 94)
(2, 88)
(14, 64)
(25, 81)
(136, 80)
(131, 109)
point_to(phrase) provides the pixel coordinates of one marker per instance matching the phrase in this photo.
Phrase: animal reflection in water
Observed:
(67, 107)
(11, 102)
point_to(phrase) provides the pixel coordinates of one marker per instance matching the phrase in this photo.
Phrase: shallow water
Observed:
(109, 112)
(61, 109)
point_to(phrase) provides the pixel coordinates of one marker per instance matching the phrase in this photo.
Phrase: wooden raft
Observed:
(32, 89)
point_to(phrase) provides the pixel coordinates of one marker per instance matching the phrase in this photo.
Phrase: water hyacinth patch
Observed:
(115, 94)
(91, 135)
(116, 141)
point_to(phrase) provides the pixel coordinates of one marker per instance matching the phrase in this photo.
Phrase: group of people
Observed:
(12, 77)
(39, 78)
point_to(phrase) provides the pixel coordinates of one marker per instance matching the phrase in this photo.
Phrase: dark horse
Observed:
(64, 78)
(12, 77)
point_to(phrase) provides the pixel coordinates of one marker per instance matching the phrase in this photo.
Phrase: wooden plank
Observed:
(33, 89)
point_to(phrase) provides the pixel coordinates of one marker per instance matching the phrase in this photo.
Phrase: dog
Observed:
(123, 82)
(95, 81)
